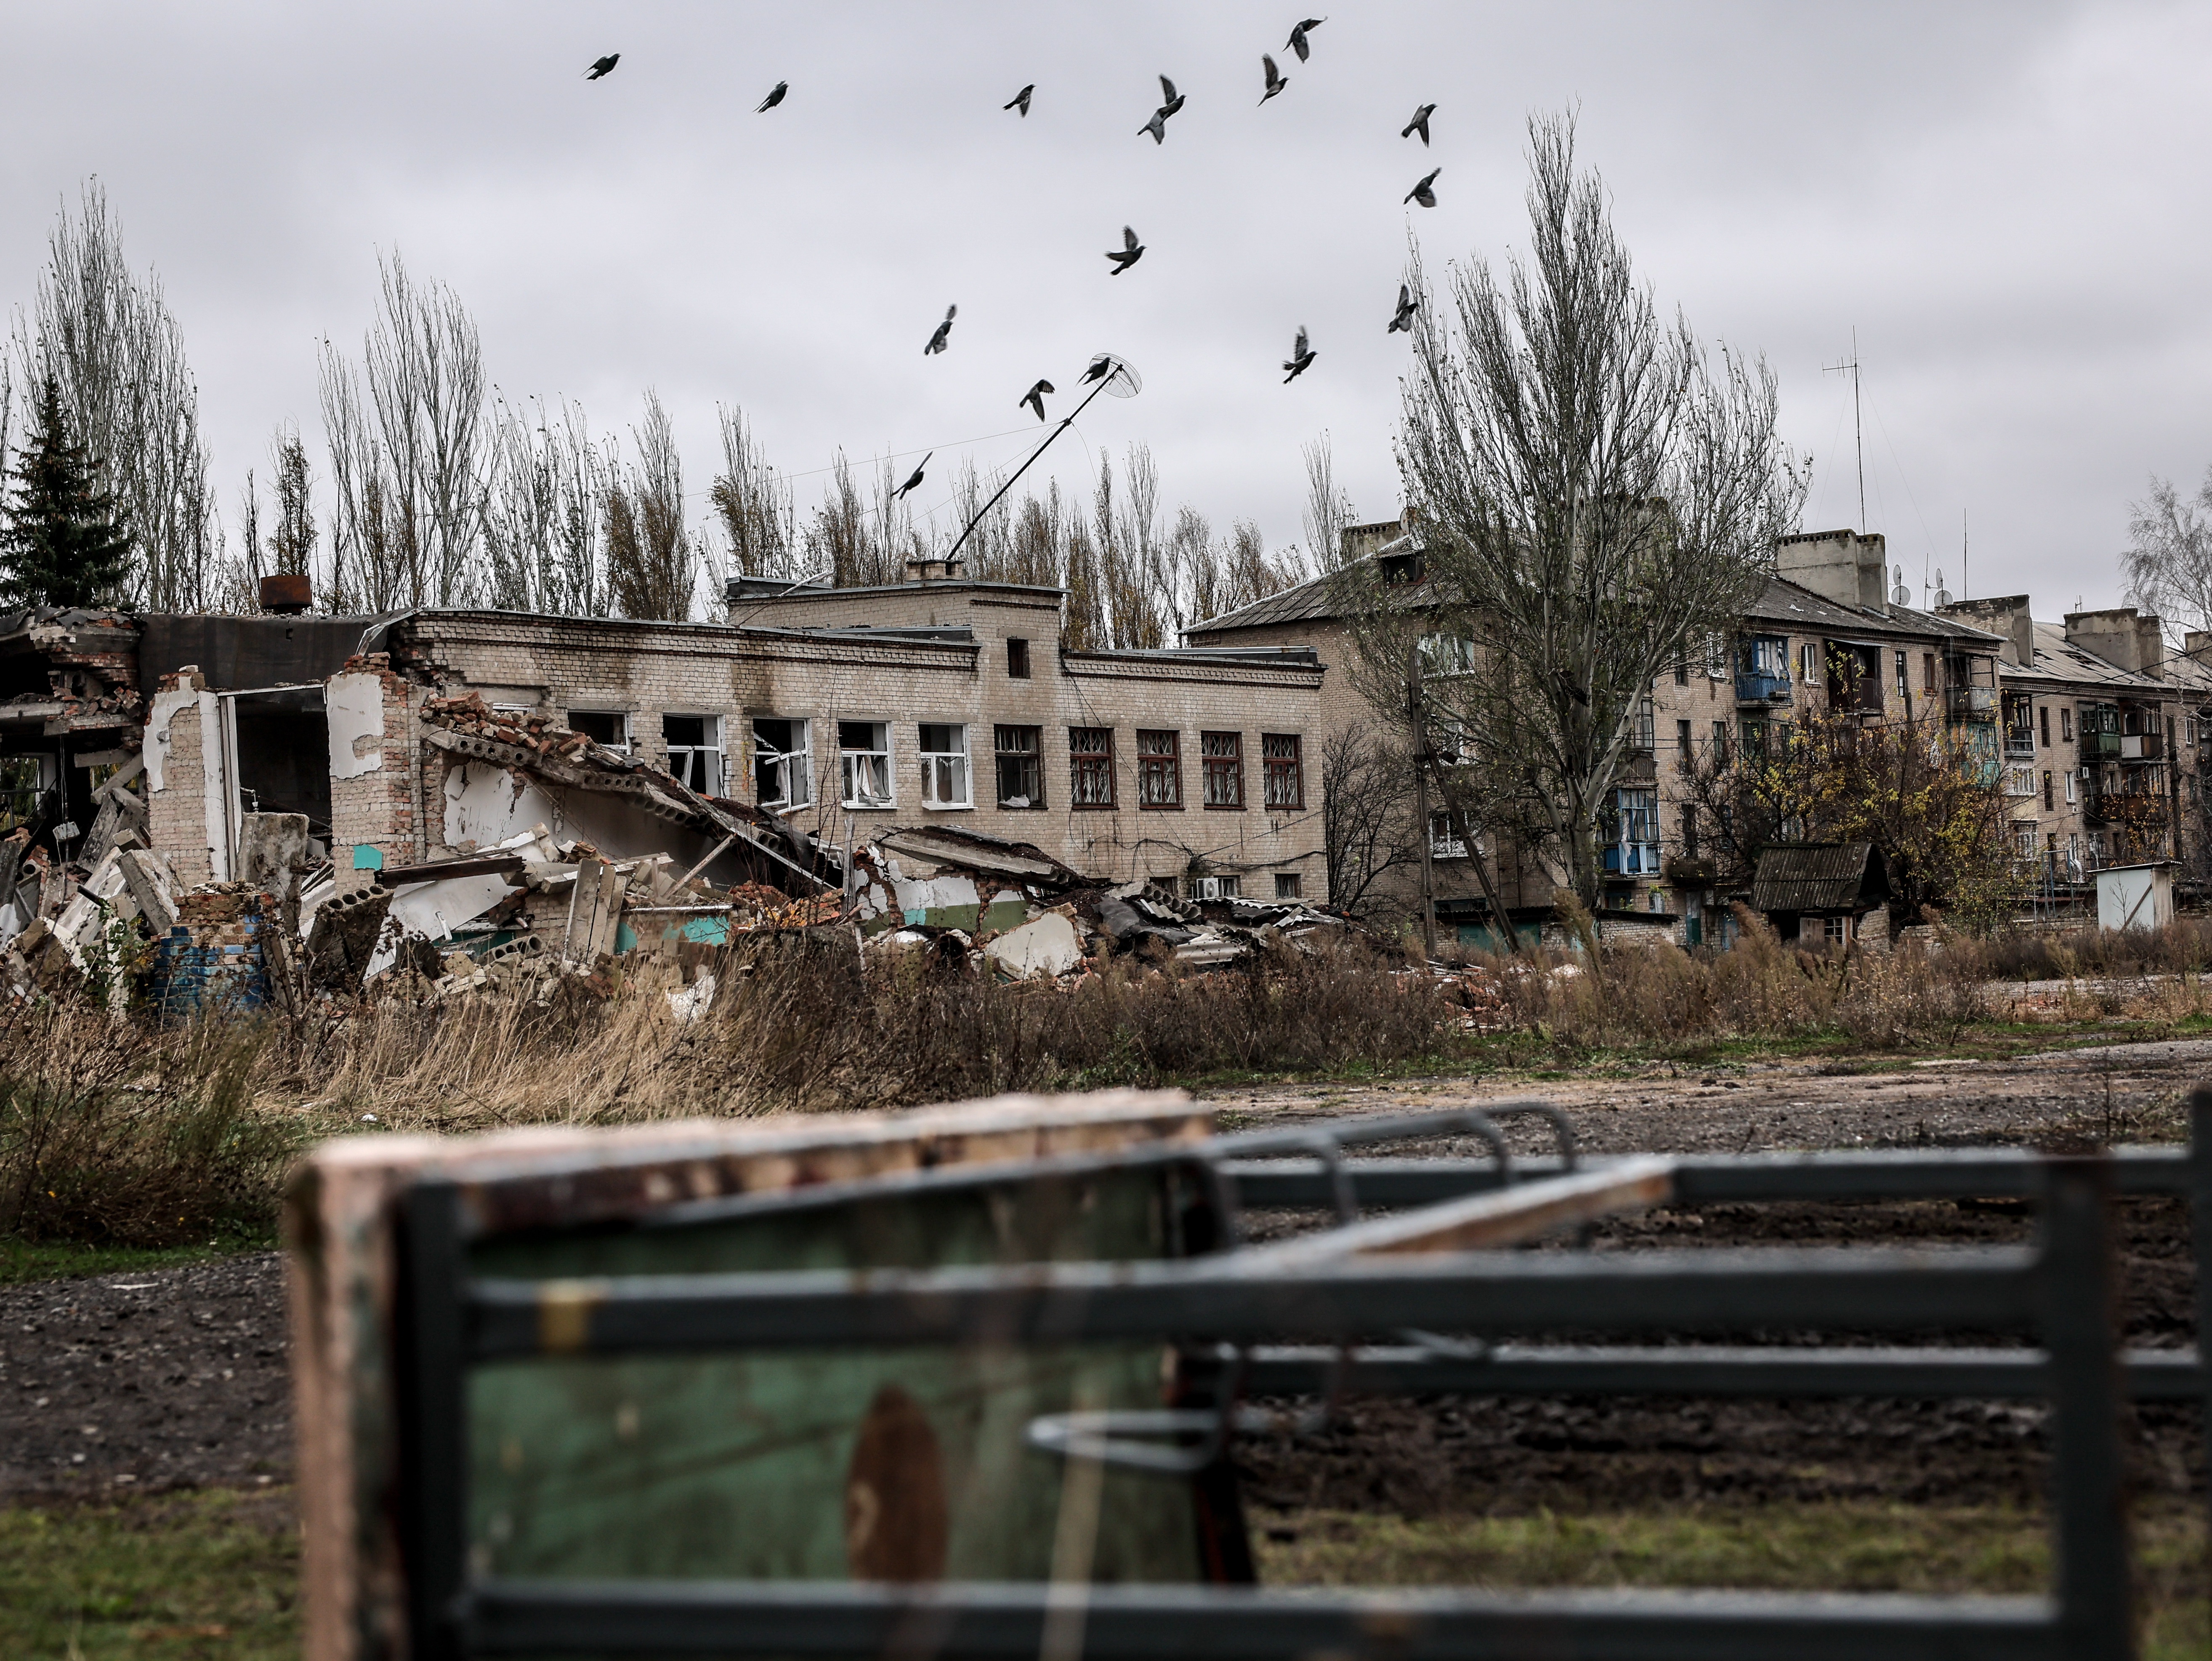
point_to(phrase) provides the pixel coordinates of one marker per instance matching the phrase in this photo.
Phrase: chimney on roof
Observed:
(286, 596)
(1842, 566)
(2121, 636)
(2197, 645)
(929, 568)
(2009, 617)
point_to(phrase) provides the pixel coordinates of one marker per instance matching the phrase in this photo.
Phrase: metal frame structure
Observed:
(1355, 1307)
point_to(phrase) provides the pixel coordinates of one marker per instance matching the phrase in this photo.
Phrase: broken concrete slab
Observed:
(1045, 945)
(974, 850)
(272, 849)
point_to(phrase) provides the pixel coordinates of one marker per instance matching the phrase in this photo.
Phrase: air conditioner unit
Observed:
(1206, 888)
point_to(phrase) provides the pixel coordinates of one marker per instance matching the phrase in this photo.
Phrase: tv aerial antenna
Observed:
(1113, 374)
(1850, 366)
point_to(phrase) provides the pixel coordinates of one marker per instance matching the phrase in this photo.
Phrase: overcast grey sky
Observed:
(2007, 201)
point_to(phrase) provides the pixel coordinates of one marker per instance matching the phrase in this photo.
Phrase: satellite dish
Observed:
(1942, 594)
(1124, 382)
(1900, 595)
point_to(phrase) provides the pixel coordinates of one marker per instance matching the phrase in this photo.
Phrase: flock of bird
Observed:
(1131, 250)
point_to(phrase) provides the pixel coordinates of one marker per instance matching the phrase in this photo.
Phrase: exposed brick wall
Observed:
(176, 814)
(378, 808)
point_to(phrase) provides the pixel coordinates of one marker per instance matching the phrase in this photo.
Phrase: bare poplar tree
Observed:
(752, 506)
(1328, 508)
(2168, 562)
(1367, 816)
(292, 537)
(544, 514)
(408, 464)
(652, 569)
(115, 349)
(1594, 493)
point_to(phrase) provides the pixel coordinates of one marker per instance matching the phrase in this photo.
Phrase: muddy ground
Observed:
(176, 1378)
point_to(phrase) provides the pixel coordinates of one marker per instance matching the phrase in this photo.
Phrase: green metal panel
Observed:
(907, 1463)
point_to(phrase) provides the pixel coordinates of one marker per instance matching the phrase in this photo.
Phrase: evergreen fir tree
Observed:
(65, 543)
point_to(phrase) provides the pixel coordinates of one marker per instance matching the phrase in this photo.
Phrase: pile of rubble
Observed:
(522, 914)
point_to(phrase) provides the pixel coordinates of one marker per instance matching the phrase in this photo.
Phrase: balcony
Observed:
(2100, 747)
(2020, 746)
(1971, 702)
(1632, 859)
(2141, 746)
(1759, 686)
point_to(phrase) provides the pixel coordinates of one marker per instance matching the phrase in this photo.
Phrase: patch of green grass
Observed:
(55, 1260)
(1842, 1546)
(184, 1577)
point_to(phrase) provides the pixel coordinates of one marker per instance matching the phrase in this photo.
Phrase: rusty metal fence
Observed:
(1424, 1299)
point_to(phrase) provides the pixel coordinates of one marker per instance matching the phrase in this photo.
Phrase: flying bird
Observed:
(1035, 397)
(602, 66)
(1128, 254)
(1020, 101)
(1298, 36)
(1301, 356)
(1275, 82)
(1158, 126)
(1101, 366)
(913, 483)
(1173, 100)
(1419, 125)
(774, 98)
(944, 332)
(1403, 323)
(1421, 192)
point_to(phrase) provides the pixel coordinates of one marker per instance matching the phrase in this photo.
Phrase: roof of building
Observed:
(2061, 662)
(1819, 876)
(1314, 600)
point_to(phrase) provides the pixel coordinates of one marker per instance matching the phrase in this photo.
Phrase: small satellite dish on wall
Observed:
(1942, 594)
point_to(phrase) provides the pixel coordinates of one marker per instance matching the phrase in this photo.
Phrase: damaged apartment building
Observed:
(778, 748)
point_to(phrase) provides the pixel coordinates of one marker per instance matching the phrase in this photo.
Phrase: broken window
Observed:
(1289, 885)
(945, 766)
(1444, 841)
(695, 751)
(783, 763)
(1222, 756)
(23, 783)
(863, 763)
(1159, 767)
(607, 726)
(1286, 774)
(1091, 766)
(1446, 655)
(1017, 658)
(1018, 751)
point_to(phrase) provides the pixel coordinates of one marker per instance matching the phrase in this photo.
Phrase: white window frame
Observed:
(782, 760)
(1444, 656)
(1808, 662)
(2070, 777)
(716, 771)
(943, 767)
(875, 758)
(621, 724)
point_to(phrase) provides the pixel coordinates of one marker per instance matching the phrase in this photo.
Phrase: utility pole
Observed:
(1858, 429)
(1419, 719)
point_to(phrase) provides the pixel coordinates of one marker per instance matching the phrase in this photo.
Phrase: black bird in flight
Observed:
(1301, 356)
(1421, 192)
(1101, 366)
(774, 98)
(1298, 36)
(1275, 82)
(1419, 125)
(1020, 101)
(1174, 98)
(1034, 399)
(944, 332)
(913, 483)
(602, 66)
(1128, 254)
(1403, 323)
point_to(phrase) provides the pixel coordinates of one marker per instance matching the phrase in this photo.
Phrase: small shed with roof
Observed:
(1824, 892)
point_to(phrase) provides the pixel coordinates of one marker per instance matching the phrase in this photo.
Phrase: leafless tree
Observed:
(292, 537)
(1367, 815)
(1328, 508)
(652, 569)
(1595, 492)
(752, 506)
(115, 349)
(2168, 562)
(544, 514)
(408, 464)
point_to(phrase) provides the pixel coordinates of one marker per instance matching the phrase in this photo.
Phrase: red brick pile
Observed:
(539, 735)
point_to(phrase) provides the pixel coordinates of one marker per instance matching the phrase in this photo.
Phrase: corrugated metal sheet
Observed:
(1819, 876)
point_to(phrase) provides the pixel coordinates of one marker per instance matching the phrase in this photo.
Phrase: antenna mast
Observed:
(1858, 429)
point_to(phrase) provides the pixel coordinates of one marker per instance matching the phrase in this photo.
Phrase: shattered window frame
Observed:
(1090, 767)
(1290, 886)
(618, 722)
(768, 757)
(1017, 658)
(942, 767)
(1282, 757)
(872, 758)
(1159, 770)
(708, 758)
(1018, 756)
(1221, 758)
